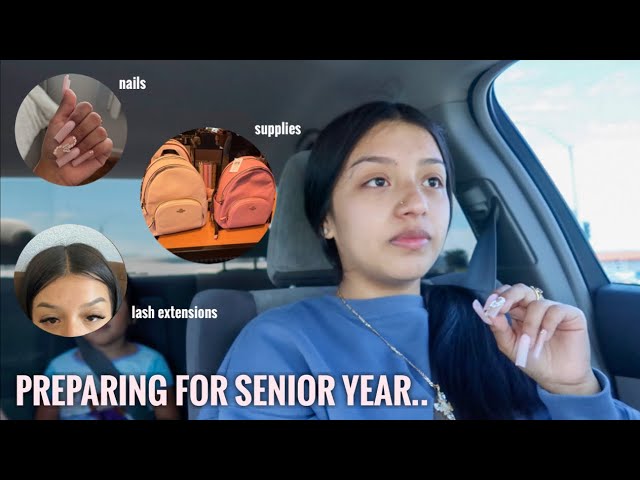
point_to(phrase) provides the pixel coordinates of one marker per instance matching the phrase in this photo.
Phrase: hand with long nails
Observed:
(548, 340)
(75, 145)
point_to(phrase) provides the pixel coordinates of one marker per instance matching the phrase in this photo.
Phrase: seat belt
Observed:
(483, 267)
(100, 364)
(481, 274)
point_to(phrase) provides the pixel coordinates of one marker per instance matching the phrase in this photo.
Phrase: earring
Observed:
(325, 231)
(401, 202)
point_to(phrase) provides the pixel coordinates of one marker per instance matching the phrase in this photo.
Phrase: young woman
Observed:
(378, 191)
(70, 290)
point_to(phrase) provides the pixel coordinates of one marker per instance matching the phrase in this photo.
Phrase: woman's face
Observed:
(390, 211)
(72, 305)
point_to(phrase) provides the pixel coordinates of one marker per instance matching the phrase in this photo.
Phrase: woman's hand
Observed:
(75, 145)
(548, 340)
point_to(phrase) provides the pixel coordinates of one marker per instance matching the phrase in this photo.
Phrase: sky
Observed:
(594, 107)
(113, 208)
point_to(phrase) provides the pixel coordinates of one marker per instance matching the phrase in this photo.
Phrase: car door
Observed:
(555, 245)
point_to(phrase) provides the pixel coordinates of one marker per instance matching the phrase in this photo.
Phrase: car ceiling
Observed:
(238, 95)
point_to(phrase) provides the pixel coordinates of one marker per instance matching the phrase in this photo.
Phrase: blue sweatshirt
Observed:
(320, 337)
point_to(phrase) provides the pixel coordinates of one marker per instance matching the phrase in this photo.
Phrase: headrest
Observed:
(294, 254)
(14, 236)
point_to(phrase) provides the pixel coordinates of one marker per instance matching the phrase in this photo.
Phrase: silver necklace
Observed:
(441, 405)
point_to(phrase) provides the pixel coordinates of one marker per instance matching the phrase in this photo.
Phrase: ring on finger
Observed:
(537, 291)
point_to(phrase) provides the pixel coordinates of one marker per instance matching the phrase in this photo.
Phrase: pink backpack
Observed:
(245, 194)
(173, 196)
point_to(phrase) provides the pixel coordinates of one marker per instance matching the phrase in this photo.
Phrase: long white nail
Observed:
(477, 307)
(64, 131)
(523, 350)
(494, 307)
(490, 300)
(542, 337)
(66, 83)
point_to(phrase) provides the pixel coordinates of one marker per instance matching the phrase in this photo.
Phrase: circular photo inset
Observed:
(208, 195)
(70, 280)
(71, 130)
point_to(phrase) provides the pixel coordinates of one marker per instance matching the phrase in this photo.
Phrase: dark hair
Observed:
(333, 147)
(61, 260)
(478, 379)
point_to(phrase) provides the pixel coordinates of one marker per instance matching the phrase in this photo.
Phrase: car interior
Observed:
(538, 240)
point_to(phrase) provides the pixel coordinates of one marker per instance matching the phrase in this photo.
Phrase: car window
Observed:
(582, 120)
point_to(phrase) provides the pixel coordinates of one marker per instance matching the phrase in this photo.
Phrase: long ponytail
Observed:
(478, 379)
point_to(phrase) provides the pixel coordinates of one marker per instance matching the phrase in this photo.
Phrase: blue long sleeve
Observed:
(601, 406)
(320, 337)
(265, 346)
